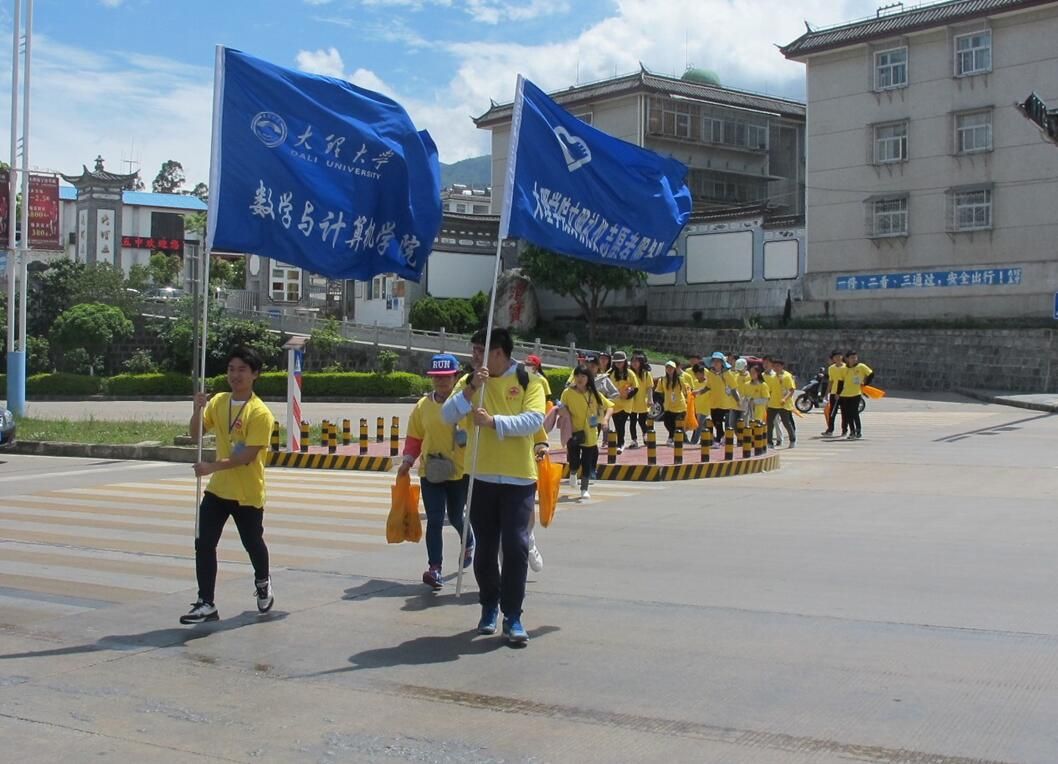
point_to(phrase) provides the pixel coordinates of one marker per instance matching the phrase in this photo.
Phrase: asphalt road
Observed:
(885, 600)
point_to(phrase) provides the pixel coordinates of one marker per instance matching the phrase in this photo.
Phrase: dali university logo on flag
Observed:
(577, 191)
(319, 173)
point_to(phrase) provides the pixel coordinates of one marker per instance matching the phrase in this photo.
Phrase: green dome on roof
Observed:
(702, 77)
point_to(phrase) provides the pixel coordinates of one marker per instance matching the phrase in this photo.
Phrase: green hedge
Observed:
(557, 378)
(321, 384)
(63, 384)
(149, 384)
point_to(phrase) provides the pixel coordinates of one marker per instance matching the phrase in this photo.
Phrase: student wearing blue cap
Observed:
(439, 447)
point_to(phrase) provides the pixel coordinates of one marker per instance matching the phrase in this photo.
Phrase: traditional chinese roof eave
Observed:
(88, 177)
(907, 22)
(658, 84)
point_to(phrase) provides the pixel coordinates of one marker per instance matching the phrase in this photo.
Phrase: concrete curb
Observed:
(1003, 400)
(178, 454)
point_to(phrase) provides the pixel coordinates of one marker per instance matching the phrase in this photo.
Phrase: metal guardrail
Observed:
(383, 336)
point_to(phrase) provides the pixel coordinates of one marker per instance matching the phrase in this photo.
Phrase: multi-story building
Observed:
(466, 200)
(929, 194)
(740, 147)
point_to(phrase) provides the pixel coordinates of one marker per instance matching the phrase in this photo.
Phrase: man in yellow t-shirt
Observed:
(242, 424)
(507, 406)
(856, 376)
(781, 390)
(835, 382)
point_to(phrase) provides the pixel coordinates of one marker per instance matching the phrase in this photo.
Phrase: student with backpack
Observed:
(627, 385)
(440, 448)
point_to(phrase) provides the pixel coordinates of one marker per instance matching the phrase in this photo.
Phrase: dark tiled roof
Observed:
(922, 17)
(655, 84)
(103, 176)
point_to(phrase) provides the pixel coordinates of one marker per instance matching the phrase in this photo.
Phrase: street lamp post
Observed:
(17, 257)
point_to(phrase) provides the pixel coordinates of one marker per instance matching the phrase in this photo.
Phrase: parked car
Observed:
(163, 294)
(7, 428)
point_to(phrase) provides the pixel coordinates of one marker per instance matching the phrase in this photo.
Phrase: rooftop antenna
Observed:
(883, 8)
(686, 51)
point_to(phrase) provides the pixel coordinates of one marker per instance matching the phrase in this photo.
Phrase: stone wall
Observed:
(1015, 360)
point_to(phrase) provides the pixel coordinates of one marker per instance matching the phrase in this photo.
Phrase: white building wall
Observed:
(1022, 170)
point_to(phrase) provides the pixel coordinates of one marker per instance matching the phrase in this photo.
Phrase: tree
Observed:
(201, 190)
(135, 184)
(52, 291)
(91, 326)
(588, 284)
(169, 178)
(104, 283)
(139, 277)
(164, 268)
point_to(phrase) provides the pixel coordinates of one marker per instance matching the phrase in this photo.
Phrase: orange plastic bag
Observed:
(873, 392)
(826, 410)
(403, 522)
(690, 419)
(548, 482)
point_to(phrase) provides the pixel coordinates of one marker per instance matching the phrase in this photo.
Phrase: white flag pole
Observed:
(203, 270)
(505, 216)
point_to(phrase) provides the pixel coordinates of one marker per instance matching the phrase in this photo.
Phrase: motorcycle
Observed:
(815, 394)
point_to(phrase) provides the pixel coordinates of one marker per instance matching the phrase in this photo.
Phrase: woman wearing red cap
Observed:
(440, 448)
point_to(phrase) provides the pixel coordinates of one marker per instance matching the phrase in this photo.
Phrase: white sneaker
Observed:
(584, 494)
(573, 480)
(536, 561)
(200, 612)
(620, 450)
(634, 444)
(265, 596)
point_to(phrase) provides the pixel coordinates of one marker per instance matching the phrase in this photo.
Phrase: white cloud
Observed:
(495, 11)
(326, 62)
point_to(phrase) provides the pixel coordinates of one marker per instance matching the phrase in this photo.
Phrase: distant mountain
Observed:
(475, 171)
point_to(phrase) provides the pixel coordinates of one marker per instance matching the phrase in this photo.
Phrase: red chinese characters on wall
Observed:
(155, 245)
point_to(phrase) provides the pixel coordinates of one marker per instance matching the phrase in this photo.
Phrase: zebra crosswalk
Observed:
(67, 550)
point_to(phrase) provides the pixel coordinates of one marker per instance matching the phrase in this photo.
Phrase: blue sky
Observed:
(132, 79)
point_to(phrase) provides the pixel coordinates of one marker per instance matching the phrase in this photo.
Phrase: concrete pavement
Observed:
(883, 600)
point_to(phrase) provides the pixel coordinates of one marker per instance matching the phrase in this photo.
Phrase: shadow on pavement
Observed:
(427, 650)
(158, 638)
(417, 597)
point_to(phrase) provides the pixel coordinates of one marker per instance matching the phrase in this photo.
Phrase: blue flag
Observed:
(577, 191)
(319, 173)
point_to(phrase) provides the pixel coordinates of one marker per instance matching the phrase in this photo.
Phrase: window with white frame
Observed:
(285, 284)
(973, 132)
(971, 209)
(378, 288)
(973, 53)
(890, 142)
(890, 69)
(887, 217)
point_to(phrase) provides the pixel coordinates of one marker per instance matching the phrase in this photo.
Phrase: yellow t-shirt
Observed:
(719, 384)
(778, 384)
(236, 426)
(504, 396)
(836, 375)
(676, 396)
(758, 394)
(644, 396)
(623, 402)
(437, 436)
(855, 380)
(581, 407)
(547, 385)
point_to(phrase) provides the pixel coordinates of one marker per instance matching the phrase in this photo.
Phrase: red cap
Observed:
(534, 360)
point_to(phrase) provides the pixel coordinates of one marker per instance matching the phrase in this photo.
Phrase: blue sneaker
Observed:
(514, 631)
(489, 615)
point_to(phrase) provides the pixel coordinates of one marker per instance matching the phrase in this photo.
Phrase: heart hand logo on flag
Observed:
(574, 149)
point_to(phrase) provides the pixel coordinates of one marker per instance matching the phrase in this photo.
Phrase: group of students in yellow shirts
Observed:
(846, 378)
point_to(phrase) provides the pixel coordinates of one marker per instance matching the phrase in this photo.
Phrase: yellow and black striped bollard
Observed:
(677, 448)
(758, 438)
(729, 444)
(304, 437)
(347, 432)
(380, 429)
(652, 447)
(275, 436)
(332, 438)
(325, 433)
(747, 442)
(395, 424)
(394, 440)
(611, 447)
(763, 438)
(363, 436)
(707, 440)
